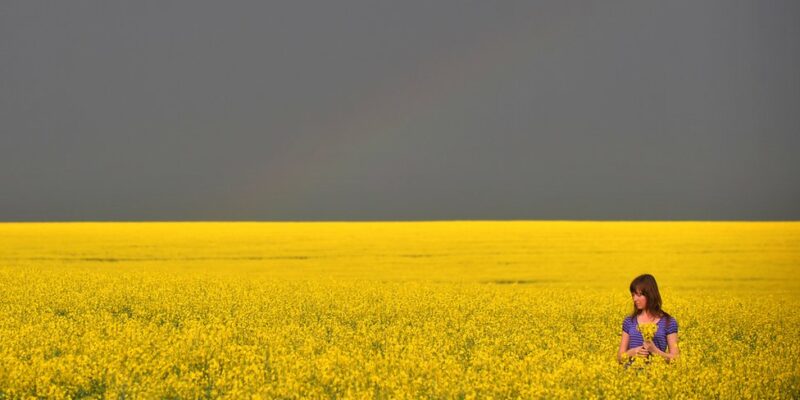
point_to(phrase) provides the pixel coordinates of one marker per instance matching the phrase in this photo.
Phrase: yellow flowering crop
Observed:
(392, 310)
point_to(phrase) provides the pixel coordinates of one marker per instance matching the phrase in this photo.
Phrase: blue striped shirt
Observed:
(630, 325)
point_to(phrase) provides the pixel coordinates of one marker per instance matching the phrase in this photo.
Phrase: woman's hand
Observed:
(650, 347)
(640, 351)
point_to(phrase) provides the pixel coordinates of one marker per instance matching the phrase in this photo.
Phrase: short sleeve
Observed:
(672, 326)
(626, 325)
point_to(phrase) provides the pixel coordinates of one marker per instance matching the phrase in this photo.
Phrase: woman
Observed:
(647, 309)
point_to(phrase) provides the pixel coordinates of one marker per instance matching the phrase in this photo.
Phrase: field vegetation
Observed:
(392, 310)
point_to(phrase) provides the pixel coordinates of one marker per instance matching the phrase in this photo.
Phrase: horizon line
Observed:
(399, 221)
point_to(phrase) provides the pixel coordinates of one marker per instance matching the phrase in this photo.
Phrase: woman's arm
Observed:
(623, 346)
(672, 346)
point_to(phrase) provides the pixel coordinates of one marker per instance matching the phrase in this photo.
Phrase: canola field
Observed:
(392, 310)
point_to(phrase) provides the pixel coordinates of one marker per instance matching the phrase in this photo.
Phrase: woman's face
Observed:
(639, 300)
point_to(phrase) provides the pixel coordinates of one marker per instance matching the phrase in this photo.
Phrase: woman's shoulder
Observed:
(668, 319)
(627, 322)
(670, 323)
(628, 318)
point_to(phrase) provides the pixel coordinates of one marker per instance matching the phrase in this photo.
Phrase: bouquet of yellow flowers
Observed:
(648, 331)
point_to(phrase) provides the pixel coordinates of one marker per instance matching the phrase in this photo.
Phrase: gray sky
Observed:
(405, 110)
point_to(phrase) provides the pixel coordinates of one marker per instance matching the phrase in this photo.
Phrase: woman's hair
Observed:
(647, 286)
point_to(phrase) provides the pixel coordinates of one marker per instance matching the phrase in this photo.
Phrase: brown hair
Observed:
(647, 286)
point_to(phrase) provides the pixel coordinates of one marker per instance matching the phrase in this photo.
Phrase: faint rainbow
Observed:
(441, 81)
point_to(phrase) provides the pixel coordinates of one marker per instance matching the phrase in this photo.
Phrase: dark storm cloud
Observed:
(399, 110)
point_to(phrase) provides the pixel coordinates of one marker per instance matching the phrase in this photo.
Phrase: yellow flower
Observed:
(648, 331)
(389, 310)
